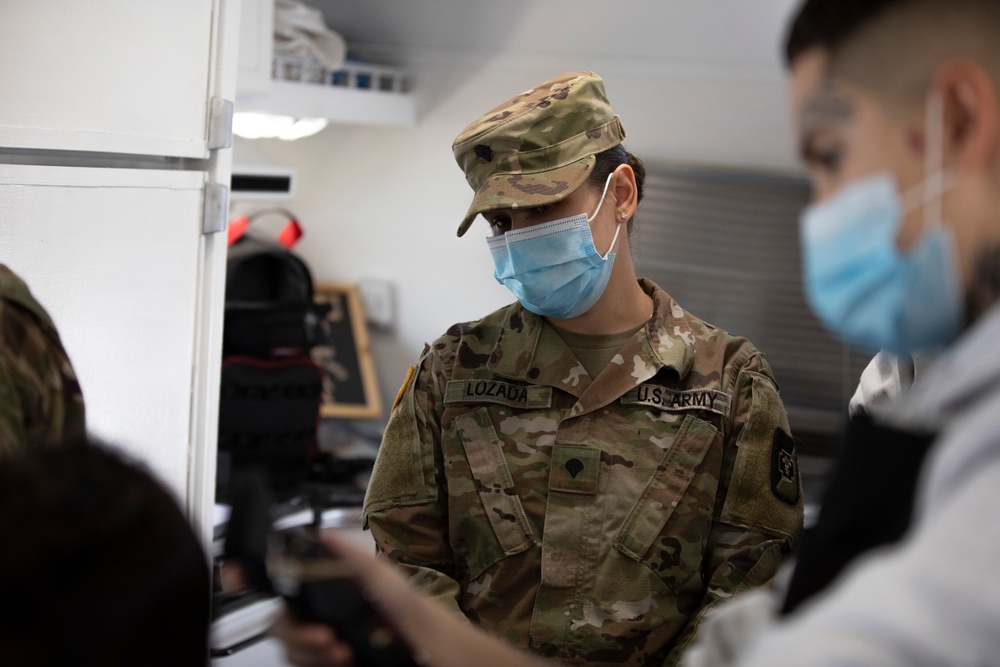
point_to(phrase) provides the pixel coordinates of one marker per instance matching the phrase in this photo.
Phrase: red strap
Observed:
(237, 226)
(290, 234)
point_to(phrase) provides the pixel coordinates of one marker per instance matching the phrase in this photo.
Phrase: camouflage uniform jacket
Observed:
(40, 399)
(592, 521)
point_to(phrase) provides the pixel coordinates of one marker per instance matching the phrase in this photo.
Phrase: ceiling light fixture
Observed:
(252, 125)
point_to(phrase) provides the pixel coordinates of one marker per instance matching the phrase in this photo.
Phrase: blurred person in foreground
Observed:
(98, 566)
(40, 398)
(897, 104)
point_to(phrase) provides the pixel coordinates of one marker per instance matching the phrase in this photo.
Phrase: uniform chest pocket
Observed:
(495, 487)
(664, 492)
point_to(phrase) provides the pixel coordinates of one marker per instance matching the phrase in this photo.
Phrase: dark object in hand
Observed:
(296, 565)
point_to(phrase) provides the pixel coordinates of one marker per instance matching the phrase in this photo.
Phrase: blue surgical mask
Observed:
(861, 286)
(553, 268)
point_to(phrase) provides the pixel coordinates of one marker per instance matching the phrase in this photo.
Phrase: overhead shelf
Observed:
(355, 93)
(283, 85)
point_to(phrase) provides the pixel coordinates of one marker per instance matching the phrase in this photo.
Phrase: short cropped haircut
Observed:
(827, 24)
(891, 47)
(98, 565)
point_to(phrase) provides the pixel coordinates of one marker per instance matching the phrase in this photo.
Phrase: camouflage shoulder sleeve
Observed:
(40, 398)
(763, 491)
(12, 419)
(405, 507)
(404, 472)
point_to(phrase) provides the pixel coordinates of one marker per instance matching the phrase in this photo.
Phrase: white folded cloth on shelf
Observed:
(301, 32)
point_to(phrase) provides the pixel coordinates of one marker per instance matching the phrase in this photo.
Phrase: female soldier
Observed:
(585, 471)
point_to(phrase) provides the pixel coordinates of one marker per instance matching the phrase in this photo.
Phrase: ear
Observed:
(971, 114)
(625, 192)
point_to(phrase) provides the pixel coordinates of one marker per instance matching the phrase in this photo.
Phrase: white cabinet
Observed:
(112, 194)
(113, 76)
(114, 255)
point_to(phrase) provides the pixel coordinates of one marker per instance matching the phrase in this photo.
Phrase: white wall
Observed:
(385, 203)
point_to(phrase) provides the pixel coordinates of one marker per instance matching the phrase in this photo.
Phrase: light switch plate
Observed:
(379, 300)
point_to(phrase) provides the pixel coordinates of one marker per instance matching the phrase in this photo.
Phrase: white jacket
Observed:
(934, 597)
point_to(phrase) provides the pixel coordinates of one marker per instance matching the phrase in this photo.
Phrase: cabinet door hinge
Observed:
(215, 206)
(220, 123)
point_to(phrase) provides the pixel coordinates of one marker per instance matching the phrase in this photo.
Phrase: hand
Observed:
(230, 577)
(438, 635)
(311, 644)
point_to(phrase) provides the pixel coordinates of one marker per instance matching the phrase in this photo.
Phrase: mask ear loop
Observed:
(607, 183)
(934, 161)
(937, 179)
(618, 227)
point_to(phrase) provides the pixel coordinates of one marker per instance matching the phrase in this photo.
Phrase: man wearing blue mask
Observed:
(897, 104)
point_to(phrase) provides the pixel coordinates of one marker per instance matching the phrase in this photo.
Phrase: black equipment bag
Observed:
(271, 388)
(269, 301)
(269, 411)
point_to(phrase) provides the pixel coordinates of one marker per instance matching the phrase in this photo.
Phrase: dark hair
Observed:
(98, 565)
(611, 159)
(892, 47)
(827, 24)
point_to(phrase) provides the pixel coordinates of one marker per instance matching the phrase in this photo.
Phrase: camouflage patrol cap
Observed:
(537, 147)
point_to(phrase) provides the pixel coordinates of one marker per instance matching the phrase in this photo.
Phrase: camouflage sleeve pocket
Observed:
(404, 469)
(765, 491)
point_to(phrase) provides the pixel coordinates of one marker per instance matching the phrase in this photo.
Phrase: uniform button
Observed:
(574, 466)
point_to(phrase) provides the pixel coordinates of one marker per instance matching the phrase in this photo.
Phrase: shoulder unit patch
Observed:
(784, 470)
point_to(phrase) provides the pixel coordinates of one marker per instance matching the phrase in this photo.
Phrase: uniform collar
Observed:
(669, 332)
(529, 350)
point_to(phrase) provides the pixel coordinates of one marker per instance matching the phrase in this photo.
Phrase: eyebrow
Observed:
(829, 104)
(826, 107)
